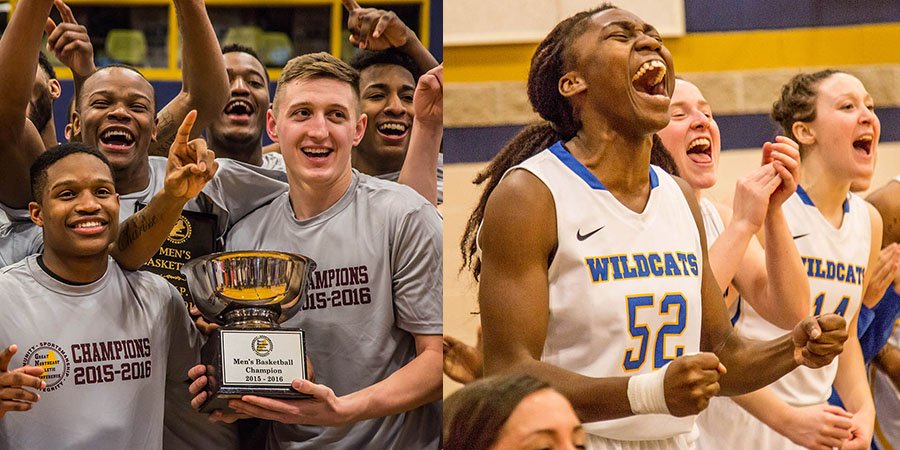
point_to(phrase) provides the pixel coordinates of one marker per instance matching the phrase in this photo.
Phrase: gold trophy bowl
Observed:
(249, 293)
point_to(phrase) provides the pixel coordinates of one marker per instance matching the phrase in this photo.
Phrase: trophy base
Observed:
(260, 362)
(219, 400)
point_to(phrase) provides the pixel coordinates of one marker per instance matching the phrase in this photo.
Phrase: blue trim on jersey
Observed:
(808, 201)
(737, 312)
(654, 179)
(575, 166)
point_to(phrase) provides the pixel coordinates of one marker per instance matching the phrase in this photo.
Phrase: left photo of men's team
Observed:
(222, 225)
(672, 224)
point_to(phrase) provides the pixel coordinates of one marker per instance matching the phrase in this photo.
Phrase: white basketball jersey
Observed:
(624, 286)
(835, 260)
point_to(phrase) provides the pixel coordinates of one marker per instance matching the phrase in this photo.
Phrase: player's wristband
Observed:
(646, 393)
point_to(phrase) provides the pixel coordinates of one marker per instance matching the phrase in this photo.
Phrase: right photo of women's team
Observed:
(671, 224)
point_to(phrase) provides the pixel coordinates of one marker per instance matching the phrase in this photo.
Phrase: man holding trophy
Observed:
(372, 310)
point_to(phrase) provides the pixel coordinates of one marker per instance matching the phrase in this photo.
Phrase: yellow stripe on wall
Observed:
(709, 52)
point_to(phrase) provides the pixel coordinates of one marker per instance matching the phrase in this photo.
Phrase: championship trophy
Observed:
(249, 293)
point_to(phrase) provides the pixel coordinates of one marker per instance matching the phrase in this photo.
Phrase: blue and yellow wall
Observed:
(739, 54)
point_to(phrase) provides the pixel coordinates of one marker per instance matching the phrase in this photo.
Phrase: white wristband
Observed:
(646, 393)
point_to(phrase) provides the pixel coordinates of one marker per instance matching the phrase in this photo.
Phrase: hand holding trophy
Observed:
(250, 293)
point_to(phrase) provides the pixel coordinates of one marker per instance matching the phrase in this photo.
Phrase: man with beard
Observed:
(45, 91)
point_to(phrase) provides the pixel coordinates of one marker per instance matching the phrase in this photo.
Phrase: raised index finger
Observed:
(350, 5)
(64, 11)
(184, 130)
(6, 357)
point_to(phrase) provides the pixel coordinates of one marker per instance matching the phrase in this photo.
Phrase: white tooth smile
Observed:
(316, 151)
(120, 133)
(237, 103)
(655, 64)
(699, 142)
(88, 225)
(393, 126)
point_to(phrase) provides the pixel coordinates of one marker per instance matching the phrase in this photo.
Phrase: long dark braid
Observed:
(549, 63)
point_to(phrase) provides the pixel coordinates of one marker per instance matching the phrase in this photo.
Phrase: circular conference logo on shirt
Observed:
(262, 345)
(53, 360)
(180, 232)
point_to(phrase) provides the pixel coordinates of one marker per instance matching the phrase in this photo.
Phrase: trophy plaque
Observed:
(249, 293)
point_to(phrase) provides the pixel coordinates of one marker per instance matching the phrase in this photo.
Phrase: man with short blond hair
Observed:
(374, 339)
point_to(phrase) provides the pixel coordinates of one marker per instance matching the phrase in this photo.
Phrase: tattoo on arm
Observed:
(134, 228)
(166, 130)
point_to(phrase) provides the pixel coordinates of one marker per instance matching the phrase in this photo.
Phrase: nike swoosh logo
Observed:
(582, 237)
(800, 236)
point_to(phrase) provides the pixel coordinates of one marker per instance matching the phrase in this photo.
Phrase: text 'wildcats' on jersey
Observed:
(835, 260)
(624, 286)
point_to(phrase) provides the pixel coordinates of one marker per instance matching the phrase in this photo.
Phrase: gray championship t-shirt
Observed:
(378, 280)
(235, 191)
(107, 349)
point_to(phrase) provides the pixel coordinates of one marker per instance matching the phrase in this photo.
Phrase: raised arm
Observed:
(814, 342)
(204, 82)
(71, 45)
(768, 278)
(20, 141)
(190, 166)
(375, 29)
(419, 169)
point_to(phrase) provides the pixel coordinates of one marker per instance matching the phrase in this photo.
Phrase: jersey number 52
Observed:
(673, 305)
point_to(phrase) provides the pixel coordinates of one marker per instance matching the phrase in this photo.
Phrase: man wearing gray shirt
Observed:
(373, 310)
(105, 337)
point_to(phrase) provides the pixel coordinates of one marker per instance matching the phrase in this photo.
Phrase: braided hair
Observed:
(549, 63)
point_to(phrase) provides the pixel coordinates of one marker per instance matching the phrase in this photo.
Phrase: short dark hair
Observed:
(45, 64)
(475, 414)
(238, 48)
(116, 66)
(367, 58)
(50, 157)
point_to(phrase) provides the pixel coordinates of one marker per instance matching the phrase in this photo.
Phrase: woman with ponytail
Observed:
(593, 268)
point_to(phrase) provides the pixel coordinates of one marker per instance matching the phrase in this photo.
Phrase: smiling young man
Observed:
(400, 135)
(374, 337)
(237, 131)
(104, 337)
